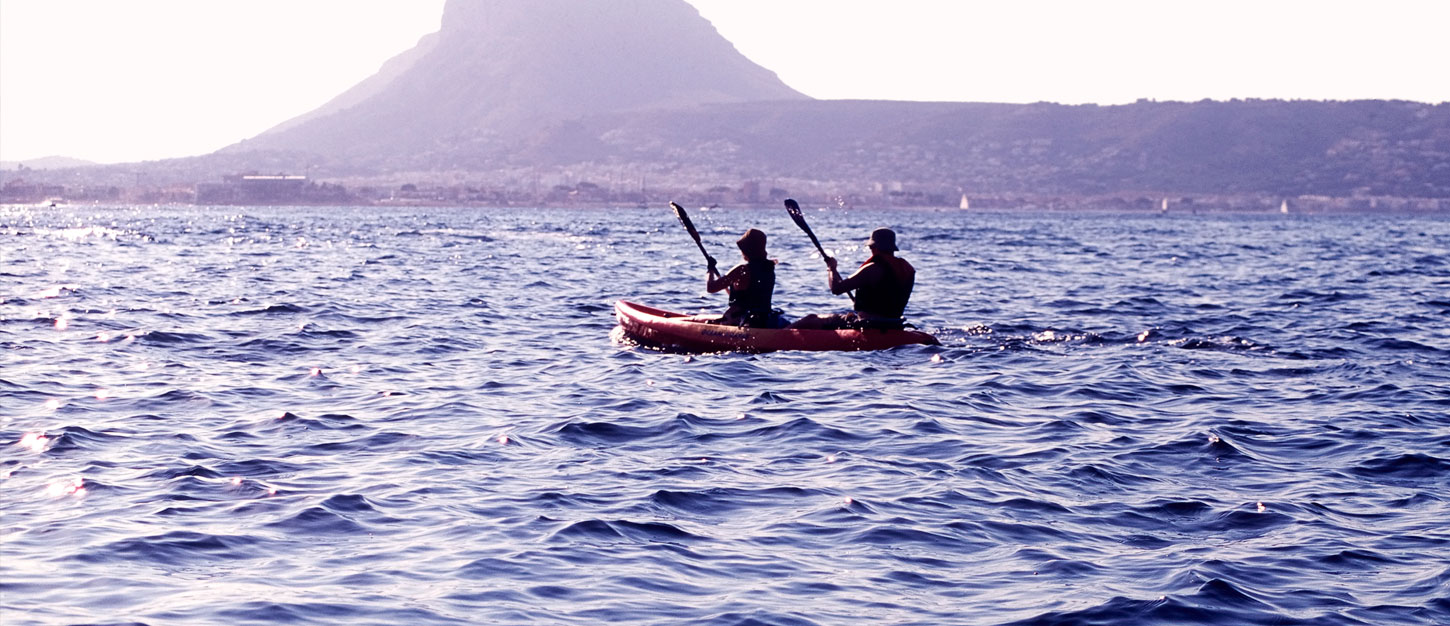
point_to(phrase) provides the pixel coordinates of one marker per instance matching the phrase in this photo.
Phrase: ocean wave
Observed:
(1192, 420)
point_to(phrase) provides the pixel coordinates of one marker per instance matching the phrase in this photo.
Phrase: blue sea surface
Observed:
(417, 416)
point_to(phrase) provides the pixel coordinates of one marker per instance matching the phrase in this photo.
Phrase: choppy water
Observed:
(404, 416)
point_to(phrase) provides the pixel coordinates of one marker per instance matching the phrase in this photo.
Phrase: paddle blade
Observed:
(795, 215)
(685, 219)
(800, 220)
(793, 208)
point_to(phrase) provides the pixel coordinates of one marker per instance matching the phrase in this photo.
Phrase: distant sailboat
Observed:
(965, 204)
(1164, 207)
(1284, 206)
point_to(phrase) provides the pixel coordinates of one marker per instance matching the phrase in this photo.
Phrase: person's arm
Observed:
(864, 276)
(734, 279)
(833, 277)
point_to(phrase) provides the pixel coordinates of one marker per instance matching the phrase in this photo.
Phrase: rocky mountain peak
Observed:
(501, 67)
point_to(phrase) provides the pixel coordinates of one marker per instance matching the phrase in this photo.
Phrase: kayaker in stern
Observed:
(882, 284)
(750, 284)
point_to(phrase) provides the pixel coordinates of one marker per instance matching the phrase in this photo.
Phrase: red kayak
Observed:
(678, 332)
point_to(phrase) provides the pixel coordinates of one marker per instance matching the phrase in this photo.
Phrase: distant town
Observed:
(283, 189)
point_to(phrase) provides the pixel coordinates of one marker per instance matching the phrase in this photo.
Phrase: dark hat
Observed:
(884, 239)
(752, 244)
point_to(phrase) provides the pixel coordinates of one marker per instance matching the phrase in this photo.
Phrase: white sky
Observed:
(131, 80)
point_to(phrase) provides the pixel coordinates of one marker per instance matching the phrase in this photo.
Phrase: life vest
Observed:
(887, 296)
(753, 302)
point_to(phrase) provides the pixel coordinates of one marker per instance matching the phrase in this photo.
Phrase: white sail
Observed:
(1284, 206)
(965, 204)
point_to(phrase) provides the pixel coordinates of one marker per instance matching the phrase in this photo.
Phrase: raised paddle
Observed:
(694, 234)
(800, 220)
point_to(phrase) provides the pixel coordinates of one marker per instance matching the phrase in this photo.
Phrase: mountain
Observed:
(1368, 147)
(499, 69)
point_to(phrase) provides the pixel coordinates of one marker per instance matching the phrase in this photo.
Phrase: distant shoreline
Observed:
(1392, 207)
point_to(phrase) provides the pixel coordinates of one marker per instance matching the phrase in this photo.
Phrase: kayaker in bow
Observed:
(882, 284)
(750, 284)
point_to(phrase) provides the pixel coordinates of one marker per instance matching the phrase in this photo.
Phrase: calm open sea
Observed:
(416, 416)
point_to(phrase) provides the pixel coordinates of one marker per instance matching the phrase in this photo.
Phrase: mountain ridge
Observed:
(497, 68)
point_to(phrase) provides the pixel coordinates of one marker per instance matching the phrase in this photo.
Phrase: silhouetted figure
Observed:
(751, 285)
(882, 284)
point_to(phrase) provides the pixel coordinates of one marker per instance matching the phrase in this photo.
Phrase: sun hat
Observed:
(884, 239)
(752, 244)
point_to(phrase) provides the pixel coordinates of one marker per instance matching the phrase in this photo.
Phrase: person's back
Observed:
(886, 287)
(751, 285)
(751, 304)
(882, 284)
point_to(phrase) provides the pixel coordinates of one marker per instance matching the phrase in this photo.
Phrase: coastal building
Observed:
(276, 189)
(19, 191)
(253, 189)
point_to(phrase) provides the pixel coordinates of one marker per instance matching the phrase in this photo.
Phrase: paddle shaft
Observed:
(800, 220)
(694, 234)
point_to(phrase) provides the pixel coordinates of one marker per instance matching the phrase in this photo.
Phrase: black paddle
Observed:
(694, 234)
(800, 220)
